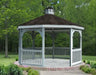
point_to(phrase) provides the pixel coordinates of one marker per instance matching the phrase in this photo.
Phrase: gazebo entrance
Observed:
(50, 56)
(56, 56)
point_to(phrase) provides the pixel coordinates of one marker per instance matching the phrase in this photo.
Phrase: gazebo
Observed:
(49, 23)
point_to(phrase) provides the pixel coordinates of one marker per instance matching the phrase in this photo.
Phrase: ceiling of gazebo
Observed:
(48, 19)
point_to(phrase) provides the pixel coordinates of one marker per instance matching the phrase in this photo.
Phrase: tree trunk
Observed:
(6, 45)
(6, 36)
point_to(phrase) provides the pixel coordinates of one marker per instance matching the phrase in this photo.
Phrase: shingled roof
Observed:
(48, 19)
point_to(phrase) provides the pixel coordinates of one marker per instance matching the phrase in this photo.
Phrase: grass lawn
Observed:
(7, 61)
(12, 58)
(90, 58)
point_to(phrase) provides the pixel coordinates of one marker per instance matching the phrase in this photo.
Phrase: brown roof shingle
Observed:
(48, 19)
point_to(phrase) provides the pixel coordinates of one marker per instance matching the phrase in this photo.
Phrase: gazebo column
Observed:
(71, 45)
(43, 46)
(81, 43)
(20, 45)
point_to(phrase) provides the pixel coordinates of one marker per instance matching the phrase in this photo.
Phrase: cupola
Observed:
(49, 10)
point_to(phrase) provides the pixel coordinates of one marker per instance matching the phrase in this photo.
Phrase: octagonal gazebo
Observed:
(49, 23)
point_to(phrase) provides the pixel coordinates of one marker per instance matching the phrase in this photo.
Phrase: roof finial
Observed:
(49, 10)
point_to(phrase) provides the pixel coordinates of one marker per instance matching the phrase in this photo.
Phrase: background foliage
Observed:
(16, 12)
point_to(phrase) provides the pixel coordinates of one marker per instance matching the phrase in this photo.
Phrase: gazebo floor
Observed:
(56, 63)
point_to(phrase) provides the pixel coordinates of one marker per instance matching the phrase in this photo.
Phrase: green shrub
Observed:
(27, 69)
(93, 65)
(24, 69)
(93, 71)
(86, 69)
(3, 70)
(29, 72)
(17, 59)
(10, 70)
(14, 70)
(88, 62)
(82, 67)
(84, 61)
(33, 72)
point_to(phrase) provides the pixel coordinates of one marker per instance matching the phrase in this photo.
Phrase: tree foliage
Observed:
(16, 12)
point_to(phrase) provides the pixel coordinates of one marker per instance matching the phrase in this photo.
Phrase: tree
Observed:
(81, 12)
(14, 13)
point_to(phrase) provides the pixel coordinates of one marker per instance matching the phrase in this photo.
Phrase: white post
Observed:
(71, 45)
(43, 46)
(20, 46)
(81, 43)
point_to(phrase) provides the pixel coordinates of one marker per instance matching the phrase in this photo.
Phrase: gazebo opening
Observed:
(40, 44)
(57, 50)
(76, 40)
(32, 48)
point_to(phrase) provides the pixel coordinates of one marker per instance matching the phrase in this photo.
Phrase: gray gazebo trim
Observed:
(51, 26)
(41, 29)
